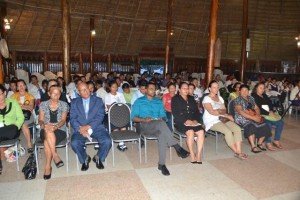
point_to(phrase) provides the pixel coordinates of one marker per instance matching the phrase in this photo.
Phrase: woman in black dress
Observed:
(187, 118)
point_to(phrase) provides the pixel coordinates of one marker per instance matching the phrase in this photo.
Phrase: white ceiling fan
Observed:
(4, 48)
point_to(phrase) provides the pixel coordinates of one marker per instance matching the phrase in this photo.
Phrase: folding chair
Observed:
(119, 117)
(39, 144)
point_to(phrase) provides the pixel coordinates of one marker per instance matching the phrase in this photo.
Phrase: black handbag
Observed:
(29, 168)
(27, 114)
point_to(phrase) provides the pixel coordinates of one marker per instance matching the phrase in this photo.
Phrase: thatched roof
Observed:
(126, 26)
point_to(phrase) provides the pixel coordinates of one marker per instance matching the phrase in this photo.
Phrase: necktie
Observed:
(86, 109)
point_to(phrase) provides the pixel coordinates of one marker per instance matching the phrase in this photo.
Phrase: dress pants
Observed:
(78, 144)
(165, 137)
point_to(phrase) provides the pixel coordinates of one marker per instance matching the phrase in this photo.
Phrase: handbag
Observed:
(29, 168)
(274, 118)
(27, 114)
(223, 119)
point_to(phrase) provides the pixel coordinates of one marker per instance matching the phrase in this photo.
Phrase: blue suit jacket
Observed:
(95, 115)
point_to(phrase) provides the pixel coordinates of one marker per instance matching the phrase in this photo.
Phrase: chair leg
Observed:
(113, 152)
(77, 162)
(36, 159)
(145, 142)
(180, 139)
(67, 158)
(17, 156)
(170, 153)
(216, 142)
(140, 154)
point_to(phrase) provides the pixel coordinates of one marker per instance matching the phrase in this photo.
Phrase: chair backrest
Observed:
(230, 108)
(119, 116)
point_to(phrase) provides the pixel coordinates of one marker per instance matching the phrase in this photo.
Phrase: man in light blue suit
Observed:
(86, 117)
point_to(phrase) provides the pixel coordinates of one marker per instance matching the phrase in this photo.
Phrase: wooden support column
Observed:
(3, 34)
(108, 63)
(80, 63)
(66, 29)
(92, 43)
(212, 40)
(244, 38)
(45, 63)
(168, 35)
(14, 62)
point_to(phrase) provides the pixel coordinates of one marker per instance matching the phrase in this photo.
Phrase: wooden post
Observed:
(45, 63)
(80, 63)
(212, 40)
(92, 44)
(168, 34)
(244, 37)
(14, 62)
(3, 34)
(66, 27)
(108, 63)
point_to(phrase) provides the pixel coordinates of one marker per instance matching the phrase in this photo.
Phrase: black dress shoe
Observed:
(182, 153)
(164, 170)
(46, 177)
(59, 164)
(98, 162)
(85, 165)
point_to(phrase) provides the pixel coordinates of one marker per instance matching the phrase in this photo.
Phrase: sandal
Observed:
(261, 147)
(270, 147)
(254, 150)
(277, 145)
(241, 156)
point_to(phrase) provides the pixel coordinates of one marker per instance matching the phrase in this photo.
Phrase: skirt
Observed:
(259, 130)
(59, 134)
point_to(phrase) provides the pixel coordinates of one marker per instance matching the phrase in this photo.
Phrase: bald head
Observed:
(83, 90)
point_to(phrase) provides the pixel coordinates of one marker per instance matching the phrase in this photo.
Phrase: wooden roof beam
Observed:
(32, 22)
(132, 26)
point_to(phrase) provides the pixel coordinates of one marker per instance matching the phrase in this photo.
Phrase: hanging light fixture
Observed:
(7, 23)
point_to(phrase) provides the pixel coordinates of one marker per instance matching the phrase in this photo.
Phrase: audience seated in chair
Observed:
(86, 117)
(272, 119)
(26, 101)
(149, 112)
(11, 119)
(247, 115)
(52, 120)
(214, 108)
(187, 120)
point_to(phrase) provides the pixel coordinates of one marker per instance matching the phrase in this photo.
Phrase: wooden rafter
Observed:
(29, 32)
(132, 26)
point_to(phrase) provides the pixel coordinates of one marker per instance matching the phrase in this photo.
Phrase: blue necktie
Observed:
(86, 109)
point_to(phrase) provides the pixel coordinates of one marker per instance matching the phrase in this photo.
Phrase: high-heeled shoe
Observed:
(46, 177)
(59, 164)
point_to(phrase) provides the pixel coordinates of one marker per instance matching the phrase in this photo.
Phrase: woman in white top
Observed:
(214, 108)
(115, 97)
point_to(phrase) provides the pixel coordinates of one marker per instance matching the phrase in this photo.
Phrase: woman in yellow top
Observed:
(236, 93)
(11, 119)
(26, 101)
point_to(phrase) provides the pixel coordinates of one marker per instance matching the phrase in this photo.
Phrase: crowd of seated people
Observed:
(181, 96)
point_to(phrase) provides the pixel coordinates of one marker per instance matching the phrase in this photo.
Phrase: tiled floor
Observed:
(269, 175)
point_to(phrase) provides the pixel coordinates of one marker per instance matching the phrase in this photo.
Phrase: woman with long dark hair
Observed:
(271, 118)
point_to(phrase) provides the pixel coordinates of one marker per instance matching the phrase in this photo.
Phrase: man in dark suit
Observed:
(86, 117)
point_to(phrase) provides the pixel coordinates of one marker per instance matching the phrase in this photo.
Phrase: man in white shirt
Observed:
(197, 92)
(295, 96)
(34, 87)
(101, 92)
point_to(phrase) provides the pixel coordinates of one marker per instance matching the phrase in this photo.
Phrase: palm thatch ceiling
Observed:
(126, 26)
